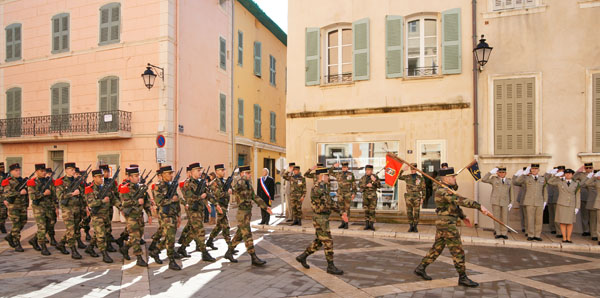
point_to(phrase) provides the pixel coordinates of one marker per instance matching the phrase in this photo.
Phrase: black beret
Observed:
(219, 166)
(444, 164)
(48, 170)
(14, 166)
(103, 167)
(244, 168)
(414, 164)
(345, 164)
(70, 165)
(320, 164)
(194, 166)
(561, 167)
(446, 172)
(296, 167)
(291, 164)
(501, 169)
(589, 164)
(133, 165)
(40, 166)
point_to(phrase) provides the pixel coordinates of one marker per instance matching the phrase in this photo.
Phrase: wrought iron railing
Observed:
(339, 78)
(422, 71)
(84, 123)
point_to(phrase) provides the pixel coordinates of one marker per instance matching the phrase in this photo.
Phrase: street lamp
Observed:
(149, 76)
(482, 52)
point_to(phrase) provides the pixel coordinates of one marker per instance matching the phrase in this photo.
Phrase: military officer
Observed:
(99, 204)
(568, 203)
(447, 205)
(520, 193)
(369, 184)
(311, 174)
(82, 212)
(322, 206)
(594, 182)
(415, 193)
(297, 193)
(243, 188)
(346, 189)
(219, 197)
(535, 200)
(16, 201)
(114, 201)
(68, 196)
(39, 193)
(3, 210)
(552, 194)
(501, 197)
(132, 202)
(588, 219)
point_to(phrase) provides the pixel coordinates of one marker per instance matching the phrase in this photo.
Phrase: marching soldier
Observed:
(169, 212)
(51, 208)
(196, 201)
(220, 199)
(3, 210)
(158, 234)
(243, 188)
(447, 208)
(40, 195)
(588, 217)
(297, 193)
(132, 202)
(369, 184)
(535, 200)
(114, 201)
(501, 198)
(346, 190)
(415, 192)
(322, 206)
(81, 212)
(99, 208)
(16, 201)
(184, 202)
(69, 204)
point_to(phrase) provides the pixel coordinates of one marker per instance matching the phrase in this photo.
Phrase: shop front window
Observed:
(430, 154)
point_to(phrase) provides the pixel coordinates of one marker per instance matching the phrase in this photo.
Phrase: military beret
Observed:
(414, 164)
(77, 170)
(166, 169)
(187, 169)
(132, 170)
(589, 164)
(14, 166)
(48, 170)
(70, 165)
(501, 169)
(447, 172)
(368, 166)
(244, 168)
(535, 165)
(320, 164)
(320, 171)
(97, 172)
(40, 166)
(219, 166)
(569, 171)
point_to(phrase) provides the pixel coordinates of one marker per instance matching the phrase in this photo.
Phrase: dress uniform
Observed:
(322, 205)
(415, 192)
(99, 209)
(534, 201)
(346, 190)
(17, 202)
(501, 198)
(39, 195)
(588, 219)
(568, 203)
(297, 193)
(219, 197)
(520, 194)
(447, 209)
(369, 184)
(552, 194)
(595, 183)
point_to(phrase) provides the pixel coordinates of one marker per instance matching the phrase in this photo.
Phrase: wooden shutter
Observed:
(13, 103)
(104, 24)
(60, 106)
(9, 43)
(509, 3)
(514, 110)
(257, 121)
(110, 23)
(451, 42)
(393, 46)
(360, 53)
(222, 112)
(312, 56)
(240, 116)
(13, 42)
(103, 105)
(115, 22)
(596, 112)
(114, 94)
(60, 33)
(240, 48)
(257, 58)
(272, 72)
(222, 53)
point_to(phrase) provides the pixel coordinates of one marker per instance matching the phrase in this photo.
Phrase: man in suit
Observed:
(266, 191)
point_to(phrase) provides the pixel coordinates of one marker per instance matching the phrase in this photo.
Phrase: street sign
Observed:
(161, 155)
(160, 141)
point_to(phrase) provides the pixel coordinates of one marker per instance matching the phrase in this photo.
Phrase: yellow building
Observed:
(259, 88)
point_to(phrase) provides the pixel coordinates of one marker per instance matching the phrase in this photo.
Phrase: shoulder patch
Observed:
(6, 182)
(181, 184)
(88, 189)
(31, 182)
(124, 189)
(58, 182)
(153, 186)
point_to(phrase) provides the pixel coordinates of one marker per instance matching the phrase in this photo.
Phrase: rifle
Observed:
(203, 183)
(111, 184)
(229, 180)
(143, 188)
(172, 190)
(23, 183)
(77, 182)
(142, 178)
(46, 185)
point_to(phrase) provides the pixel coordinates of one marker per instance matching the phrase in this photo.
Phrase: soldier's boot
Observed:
(182, 252)
(180, 241)
(411, 228)
(331, 269)
(342, 225)
(142, 241)
(371, 226)
(256, 261)
(141, 262)
(121, 240)
(88, 237)
(61, 247)
(173, 265)
(124, 249)
(299, 222)
(415, 229)
(367, 225)
(294, 222)
(9, 239)
(109, 247)
(463, 280)
(229, 255)
(44, 249)
(106, 258)
(18, 247)
(302, 260)
(176, 255)
(74, 253)
(34, 243)
(154, 254)
(90, 251)
(52, 240)
(152, 246)
(420, 271)
(3, 228)
(207, 257)
(209, 243)
(80, 244)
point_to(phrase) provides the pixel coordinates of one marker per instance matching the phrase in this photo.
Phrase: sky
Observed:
(277, 10)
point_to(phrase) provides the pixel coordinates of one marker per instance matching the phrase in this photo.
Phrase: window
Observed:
(240, 48)
(108, 104)
(257, 122)
(60, 33)
(222, 53)
(223, 3)
(110, 23)
(273, 127)
(222, 112)
(514, 116)
(430, 155)
(13, 160)
(513, 4)
(13, 42)
(240, 116)
(13, 112)
(421, 49)
(257, 58)
(59, 106)
(596, 112)
(112, 160)
(272, 72)
(339, 55)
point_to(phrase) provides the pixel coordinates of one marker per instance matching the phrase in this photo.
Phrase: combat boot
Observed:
(74, 253)
(141, 262)
(18, 247)
(34, 243)
(80, 244)
(125, 252)
(206, 256)
(299, 222)
(302, 260)
(44, 249)
(121, 240)
(463, 280)
(88, 237)
(9, 239)
(229, 255)
(3, 228)
(152, 246)
(173, 265)
(343, 225)
(256, 261)
(346, 225)
(415, 229)
(180, 241)
(109, 246)
(90, 251)
(61, 247)
(420, 271)
(331, 269)
(52, 239)
(371, 226)
(367, 225)
(154, 254)
(142, 241)
(176, 255)
(411, 229)
(182, 252)
(209, 243)
(106, 258)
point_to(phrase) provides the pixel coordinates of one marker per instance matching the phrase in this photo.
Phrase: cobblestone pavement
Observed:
(373, 267)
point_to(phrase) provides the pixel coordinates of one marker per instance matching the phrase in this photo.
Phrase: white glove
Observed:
(494, 171)
(527, 170)
(559, 174)
(590, 175)
(549, 171)
(554, 171)
(509, 207)
(597, 174)
(576, 210)
(544, 205)
(520, 172)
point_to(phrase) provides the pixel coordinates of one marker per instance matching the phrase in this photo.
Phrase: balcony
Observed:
(66, 127)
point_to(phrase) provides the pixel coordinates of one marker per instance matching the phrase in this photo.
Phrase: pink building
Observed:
(71, 86)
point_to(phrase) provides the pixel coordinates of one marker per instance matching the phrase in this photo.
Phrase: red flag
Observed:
(392, 170)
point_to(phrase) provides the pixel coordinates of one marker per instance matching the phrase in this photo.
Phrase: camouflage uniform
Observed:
(114, 201)
(3, 209)
(309, 174)
(39, 201)
(17, 206)
(415, 188)
(449, 212)
(369, 195)
(221, 198)
(134, 215)
(346, 188)
(169, 212)
(99, 213)
(297, 191)
(158, 234)
(195, 212)
(50, 207)
(243, 188)
(70, 207)
(322, 206)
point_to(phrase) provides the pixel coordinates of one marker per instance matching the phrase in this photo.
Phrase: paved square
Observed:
(501, 288)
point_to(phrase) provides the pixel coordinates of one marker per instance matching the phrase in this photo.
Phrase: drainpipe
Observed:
(475, 106)
(176, 91)
(231, 96)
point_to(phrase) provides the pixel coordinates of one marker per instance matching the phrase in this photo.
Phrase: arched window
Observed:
(110, 23)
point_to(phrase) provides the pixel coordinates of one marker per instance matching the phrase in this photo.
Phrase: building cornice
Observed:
(382, 110)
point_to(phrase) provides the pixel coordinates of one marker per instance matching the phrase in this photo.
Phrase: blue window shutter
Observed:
(394, 30)
(451, 42)
(360, 53)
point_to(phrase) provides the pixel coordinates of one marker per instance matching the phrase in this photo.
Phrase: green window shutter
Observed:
(240, 48)
(272, 70)
(114, 94)
(273, 127)
(103, 105)
(104, 25)
(115, 22)
(9, 43)
(60, 33)
(257, 121)
(394, 28)
(60, 106)
(13, 42)
(13, 103)
(240, 116)
(222, 53)
(257, 58)
(451, 42)
(110, 23)
(222, 112)
(312, 57)
(596, 112)
(360, 50)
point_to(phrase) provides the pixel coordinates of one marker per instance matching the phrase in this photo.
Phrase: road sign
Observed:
(160, 141)
(161, 155)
